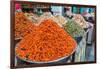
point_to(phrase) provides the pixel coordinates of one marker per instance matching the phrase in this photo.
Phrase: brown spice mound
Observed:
(49, 42)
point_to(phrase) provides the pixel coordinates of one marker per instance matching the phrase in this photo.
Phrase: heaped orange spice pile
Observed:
(49, 42)
(23, 26)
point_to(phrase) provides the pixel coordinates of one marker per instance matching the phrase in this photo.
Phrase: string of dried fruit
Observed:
(49, 42)
(23, 26)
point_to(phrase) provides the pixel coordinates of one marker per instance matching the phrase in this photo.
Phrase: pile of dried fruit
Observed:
(48, 42)
(74, 29)
(60, 20)
(32, 17)
(23, 26)
(80, 20)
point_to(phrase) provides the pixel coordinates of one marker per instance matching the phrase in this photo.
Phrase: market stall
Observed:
(47, 35)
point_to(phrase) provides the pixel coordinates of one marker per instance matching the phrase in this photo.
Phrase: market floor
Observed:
(90, 52)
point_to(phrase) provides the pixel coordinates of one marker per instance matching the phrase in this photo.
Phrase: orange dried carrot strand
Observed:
(23, 26)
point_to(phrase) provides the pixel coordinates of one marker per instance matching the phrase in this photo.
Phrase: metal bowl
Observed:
(53, 61)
